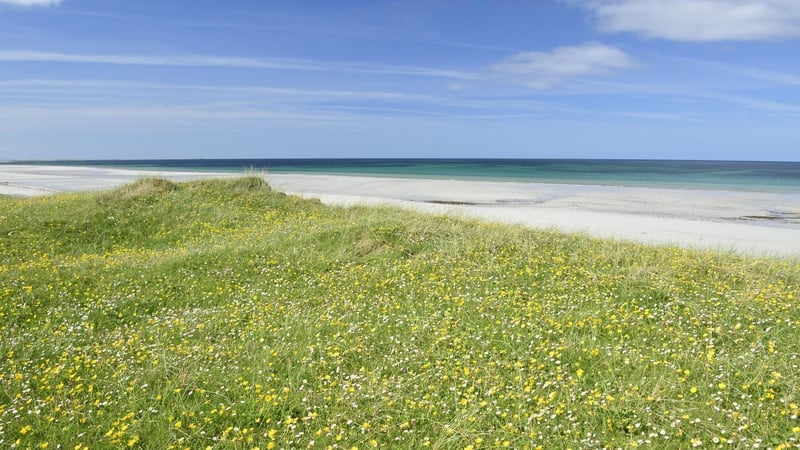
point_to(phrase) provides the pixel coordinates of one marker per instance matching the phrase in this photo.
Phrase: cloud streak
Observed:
(672, 93)
(756, 73)
(542, 70)
(698, 20)
(110, 86)
(233, 62)
(30, 3)
(219, 100)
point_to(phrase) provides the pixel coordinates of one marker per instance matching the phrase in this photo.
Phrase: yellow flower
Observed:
(25, 430)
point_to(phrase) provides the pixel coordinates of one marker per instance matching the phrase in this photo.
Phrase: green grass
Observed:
(223, 314)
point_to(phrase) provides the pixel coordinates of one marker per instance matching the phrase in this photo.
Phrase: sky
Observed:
(643, 79)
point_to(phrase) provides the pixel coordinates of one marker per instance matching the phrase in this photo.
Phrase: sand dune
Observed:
(752, 222)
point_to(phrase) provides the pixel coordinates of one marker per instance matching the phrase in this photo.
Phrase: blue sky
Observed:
(129, 79)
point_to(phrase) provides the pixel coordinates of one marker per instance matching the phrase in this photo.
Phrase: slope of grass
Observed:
(223, 314)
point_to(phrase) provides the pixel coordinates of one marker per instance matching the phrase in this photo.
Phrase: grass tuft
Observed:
(249, 183)
(145, 186)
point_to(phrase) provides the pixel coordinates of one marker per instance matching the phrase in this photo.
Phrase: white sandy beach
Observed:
(751, 222)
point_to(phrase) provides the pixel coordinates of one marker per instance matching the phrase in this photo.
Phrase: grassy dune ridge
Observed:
(223, 314)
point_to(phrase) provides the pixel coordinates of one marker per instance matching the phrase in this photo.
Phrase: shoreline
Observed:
(760, 223)
(735, 175)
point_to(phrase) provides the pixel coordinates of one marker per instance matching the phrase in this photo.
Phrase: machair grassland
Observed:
(222, 314)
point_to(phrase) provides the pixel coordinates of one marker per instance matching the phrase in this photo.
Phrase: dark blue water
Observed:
(727, 175)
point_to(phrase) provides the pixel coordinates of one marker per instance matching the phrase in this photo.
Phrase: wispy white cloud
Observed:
(116, 86)
(144, 100)
(34, 114)
(118, 98)
(541, 70)
(132, 104)
(150, 60)
(760, 104)
(30, 3)
(231, 62)
(699, 20)
(755, 73)
(688, 93)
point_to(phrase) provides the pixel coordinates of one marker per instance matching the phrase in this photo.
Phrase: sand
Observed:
(33, 180)
(749, 222)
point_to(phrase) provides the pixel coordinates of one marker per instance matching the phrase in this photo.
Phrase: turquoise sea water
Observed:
(723, 175)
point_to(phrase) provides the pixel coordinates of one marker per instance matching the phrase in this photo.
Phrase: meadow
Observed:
(223, 314)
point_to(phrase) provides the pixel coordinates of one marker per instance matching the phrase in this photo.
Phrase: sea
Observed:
(763, 176)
